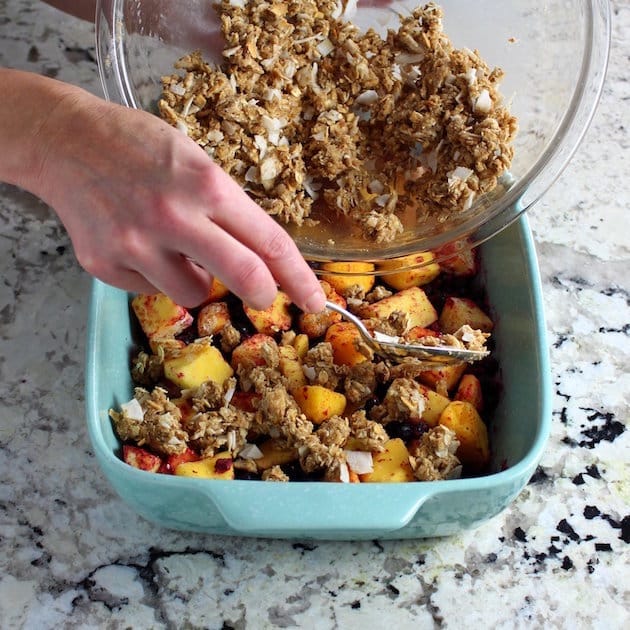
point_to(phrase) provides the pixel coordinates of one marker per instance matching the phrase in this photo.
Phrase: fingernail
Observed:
(315, 303)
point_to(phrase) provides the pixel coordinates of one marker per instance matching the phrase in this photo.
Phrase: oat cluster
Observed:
(309, 113)
(215, 424)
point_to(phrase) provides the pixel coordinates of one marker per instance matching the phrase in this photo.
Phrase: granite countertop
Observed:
(74, 555)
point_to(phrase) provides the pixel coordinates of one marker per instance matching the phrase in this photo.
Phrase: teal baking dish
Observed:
(315, 510)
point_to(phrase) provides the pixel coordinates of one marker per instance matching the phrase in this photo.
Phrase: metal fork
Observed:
(398, 352)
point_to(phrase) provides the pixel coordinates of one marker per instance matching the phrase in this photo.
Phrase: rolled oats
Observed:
(309, 114)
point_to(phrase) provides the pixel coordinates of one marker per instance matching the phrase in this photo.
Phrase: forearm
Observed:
(84, 9)
(29, 106)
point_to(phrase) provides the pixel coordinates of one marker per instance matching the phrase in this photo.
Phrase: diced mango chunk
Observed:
(391, 464)
(345, 275)
(251, 351)
(459, 311)
(217, 291)
(457, 258)
(273, 319)
(219, 466)
(444, 378)
(159, 316)
(301, 344)
(291, 367)
(416, 270)
(471, 431)
(344, 337)
(274, 455)
(319, 403)
(434, 405)
(413, 302)
(470, 390)
(195, 364)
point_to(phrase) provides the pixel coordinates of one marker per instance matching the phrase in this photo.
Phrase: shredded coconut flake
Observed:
(459, 174)
(250, 451)
(227, 398)
(325, 47)
(344, 473)
(178, 89)
(133, 410)
(483, 103)
(369, 97)
(379, 336)
(359, 461)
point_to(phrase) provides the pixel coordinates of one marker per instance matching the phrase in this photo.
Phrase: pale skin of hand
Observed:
(146, 209)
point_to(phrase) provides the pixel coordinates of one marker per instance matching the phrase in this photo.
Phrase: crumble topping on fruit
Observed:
(305, 400)
(404, 401)
(307, 111)
(433, 455)
(159, 427)
(275, 473)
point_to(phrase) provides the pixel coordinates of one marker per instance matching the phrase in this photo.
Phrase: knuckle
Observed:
(276, 247)
(131, 245)
(254, 279)
(192, 295)
(91, 263)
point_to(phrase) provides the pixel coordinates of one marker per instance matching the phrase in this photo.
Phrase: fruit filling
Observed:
(223, 391)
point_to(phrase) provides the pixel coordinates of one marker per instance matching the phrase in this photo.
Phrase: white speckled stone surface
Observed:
(74, 556)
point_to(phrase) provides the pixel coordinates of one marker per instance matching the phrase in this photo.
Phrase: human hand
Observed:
(147, 210)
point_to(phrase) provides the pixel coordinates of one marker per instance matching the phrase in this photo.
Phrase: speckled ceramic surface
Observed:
(73, 555)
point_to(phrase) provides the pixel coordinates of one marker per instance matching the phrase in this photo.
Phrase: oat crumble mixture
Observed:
(307, 111)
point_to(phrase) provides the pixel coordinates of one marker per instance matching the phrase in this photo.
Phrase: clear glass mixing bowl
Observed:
(554, 55)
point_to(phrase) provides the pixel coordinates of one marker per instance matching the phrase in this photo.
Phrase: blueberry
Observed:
(245, 474)
(406, 431)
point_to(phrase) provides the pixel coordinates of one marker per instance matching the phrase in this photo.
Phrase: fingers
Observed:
(235, 264)
(181, 279)
(234, 211)
(127, 280)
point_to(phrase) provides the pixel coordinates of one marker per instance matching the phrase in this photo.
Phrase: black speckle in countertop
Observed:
(33, 54)
(624, 330)
(519, 535)
(303, 547)
(616, 290)
(393, 590)
(560, 339)
(605, 428)
(564, 527)
(563, 413)
(591, 511)
(539, 476)
(74, 54)
(591, 471)
(567, 563)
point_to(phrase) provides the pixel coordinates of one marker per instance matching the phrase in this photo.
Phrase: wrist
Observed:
(34, 114)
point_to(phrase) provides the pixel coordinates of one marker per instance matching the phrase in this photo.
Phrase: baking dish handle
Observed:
(266, 508)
